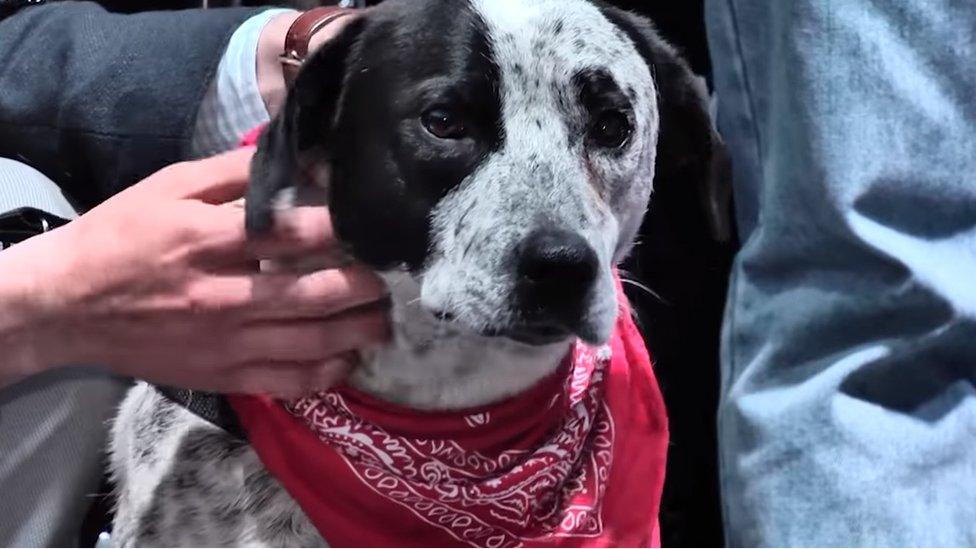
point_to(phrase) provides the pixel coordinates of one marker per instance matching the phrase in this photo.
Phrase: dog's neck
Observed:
(430, 366)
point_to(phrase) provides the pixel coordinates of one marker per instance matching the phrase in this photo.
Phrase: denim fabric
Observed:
(848, 414)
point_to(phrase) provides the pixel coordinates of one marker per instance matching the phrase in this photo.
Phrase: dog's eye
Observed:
(444, 124)
(610, 129)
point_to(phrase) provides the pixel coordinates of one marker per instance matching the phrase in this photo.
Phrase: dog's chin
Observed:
(539, 334)
(530, 326)
(593, 328)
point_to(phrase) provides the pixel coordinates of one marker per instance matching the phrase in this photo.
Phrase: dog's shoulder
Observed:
(183, 481)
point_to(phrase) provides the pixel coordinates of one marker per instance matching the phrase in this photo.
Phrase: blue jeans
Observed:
(848, 414)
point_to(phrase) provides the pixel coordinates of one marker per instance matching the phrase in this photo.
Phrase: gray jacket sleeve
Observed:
(97, 101)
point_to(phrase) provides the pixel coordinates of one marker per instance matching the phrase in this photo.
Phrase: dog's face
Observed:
(500, 151)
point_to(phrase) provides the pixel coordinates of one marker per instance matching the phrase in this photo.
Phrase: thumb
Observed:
(215, 180)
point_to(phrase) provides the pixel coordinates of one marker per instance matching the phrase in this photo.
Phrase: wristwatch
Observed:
(18, 225)
(301, 31)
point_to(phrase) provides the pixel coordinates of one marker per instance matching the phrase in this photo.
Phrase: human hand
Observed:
(161, 283)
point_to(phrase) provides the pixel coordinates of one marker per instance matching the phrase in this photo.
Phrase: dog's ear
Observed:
(302, 131)
(690, 151)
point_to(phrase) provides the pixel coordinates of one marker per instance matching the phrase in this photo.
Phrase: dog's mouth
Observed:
(534, 334)
(528, 333)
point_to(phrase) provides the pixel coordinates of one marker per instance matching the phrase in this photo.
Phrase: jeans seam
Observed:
(727, 356)
(746, 81)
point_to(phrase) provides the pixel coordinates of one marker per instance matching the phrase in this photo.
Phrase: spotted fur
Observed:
(183, 482)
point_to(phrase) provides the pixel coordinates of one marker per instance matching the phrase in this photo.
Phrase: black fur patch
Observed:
(599, 92)
(388, 171)
(391, 172)
(689, 149)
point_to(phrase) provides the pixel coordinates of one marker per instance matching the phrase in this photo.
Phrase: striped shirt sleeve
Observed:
(233, 103)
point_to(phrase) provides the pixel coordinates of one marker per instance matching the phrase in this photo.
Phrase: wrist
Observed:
(28, 332)
(271, 80)
(271, 44)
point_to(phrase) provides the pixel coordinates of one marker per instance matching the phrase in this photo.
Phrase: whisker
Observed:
(644, 287)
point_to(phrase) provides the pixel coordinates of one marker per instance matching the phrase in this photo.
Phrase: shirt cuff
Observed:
(233, 104)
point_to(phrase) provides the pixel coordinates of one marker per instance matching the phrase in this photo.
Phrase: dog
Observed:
(493, 160)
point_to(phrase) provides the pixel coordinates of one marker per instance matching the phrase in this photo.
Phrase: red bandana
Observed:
(576, 461)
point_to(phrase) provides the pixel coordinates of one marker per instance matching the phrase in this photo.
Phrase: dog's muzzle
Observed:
(556, 271)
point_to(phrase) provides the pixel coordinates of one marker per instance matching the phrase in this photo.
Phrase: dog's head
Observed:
(502, 152)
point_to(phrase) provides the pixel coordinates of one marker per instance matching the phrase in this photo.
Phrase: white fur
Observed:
(432, 365)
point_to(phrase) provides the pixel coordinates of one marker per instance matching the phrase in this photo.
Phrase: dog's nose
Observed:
(557, 263)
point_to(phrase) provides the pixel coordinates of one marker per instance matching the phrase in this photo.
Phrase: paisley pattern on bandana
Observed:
(502, 500)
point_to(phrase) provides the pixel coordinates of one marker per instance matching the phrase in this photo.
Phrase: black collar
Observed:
(212, 407)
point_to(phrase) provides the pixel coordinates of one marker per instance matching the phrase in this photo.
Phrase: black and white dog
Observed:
(494, 160)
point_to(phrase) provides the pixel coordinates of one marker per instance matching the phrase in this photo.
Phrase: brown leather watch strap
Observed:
(299, 34)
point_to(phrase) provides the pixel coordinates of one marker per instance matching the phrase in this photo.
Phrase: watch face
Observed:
(20, 224)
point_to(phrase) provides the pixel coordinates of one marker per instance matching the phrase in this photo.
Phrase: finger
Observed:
(303, 235)
(333, 259)
(286, 380)
(213, 180)
(275, 296)
(324, 292)
(311, 340)
(216, 232)
(298, 266)
(298, 231)
(229, 174)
